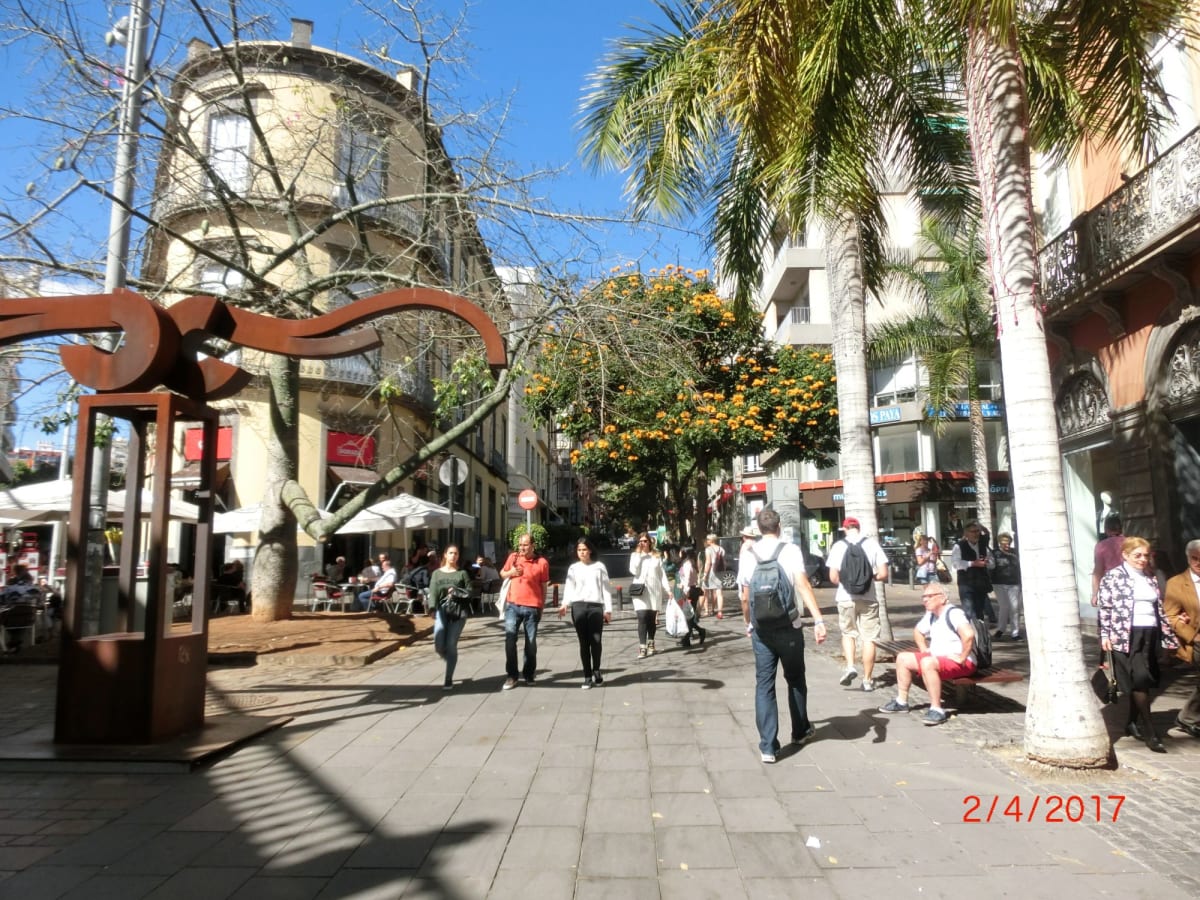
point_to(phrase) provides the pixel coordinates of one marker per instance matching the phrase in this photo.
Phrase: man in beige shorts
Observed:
(858, 610)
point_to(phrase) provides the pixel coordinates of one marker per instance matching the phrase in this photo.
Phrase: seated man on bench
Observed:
(944, 640)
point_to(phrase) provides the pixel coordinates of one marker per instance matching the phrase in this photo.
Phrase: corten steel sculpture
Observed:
(142, 680)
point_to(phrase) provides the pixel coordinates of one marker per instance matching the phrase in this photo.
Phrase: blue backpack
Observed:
(772, 595)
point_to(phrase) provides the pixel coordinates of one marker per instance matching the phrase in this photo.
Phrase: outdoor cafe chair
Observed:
(327, 595)
(490, 596)
(14, 620)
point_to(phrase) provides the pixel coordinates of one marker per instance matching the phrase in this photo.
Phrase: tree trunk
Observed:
(979, 458)
(700, 499)
(273, 586)
(1062, 723)
(848, 309)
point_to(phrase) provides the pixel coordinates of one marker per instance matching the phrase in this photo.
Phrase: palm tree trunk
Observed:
(273, 587)
(1062, 724)
(979, 458)
(848, 314)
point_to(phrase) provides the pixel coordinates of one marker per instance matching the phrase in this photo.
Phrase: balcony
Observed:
(497, 464)
(1156, 209)
(798, 328)
(787, 273)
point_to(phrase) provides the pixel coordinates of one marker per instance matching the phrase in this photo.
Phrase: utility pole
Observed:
(131, 32)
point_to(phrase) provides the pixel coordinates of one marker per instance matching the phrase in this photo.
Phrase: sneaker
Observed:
(641, 653)
(597, 679)
(703, 634)
(806, 737)
(446, 687)
(528, 679)
(894, 706)
(686, 643)
(869, 684)
(509, 684)
(768, 758)
(999, 635)
(586, 686)
(848, 676)
(934, 717)
(1016, 635)
(650, 649)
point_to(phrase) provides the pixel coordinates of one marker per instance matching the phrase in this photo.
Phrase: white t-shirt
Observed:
(943, 634)
(791, 559)
(875, 556)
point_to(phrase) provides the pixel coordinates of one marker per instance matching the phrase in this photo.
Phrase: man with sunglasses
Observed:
(945, 639)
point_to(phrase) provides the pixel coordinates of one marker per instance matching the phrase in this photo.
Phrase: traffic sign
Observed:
(527, 499)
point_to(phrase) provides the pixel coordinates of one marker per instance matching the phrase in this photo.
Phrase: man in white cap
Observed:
(855, 563)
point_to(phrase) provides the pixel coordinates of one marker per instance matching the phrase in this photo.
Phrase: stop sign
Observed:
(527, 499)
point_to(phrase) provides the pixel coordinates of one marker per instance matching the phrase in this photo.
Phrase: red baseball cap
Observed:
(850, 522)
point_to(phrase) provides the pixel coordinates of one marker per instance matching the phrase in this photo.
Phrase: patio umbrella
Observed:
(403, 512)
(243, 520)
(50, 501)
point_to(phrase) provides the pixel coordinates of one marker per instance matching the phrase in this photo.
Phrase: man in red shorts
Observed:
(944, 640)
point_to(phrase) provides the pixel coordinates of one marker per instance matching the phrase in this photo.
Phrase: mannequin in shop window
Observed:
(1108, 508)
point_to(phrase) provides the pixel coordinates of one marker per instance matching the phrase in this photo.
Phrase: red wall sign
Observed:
(193, 443)
(344, 449)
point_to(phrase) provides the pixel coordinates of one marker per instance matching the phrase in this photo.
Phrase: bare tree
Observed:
(291, 180)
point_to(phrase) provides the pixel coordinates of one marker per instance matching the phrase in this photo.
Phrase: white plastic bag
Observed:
(676, 620)
(501, 599)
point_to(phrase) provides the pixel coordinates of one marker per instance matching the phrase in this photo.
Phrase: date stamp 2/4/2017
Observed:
(1051, 809)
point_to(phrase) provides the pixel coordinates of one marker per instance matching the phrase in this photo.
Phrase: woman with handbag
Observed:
(649, 591)
(450, 595)
(1134, 626)
(927, 553)
(588, 595)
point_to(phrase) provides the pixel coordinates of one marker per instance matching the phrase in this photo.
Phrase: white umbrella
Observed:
(50, 501)
(403, 512)
(243, 520)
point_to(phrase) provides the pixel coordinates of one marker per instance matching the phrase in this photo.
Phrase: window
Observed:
(229, 143)
(361, 165)
(898, 450)
(952, 450)
(752, 463)
(894, 384)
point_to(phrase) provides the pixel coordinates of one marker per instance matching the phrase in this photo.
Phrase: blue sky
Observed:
(533, 54)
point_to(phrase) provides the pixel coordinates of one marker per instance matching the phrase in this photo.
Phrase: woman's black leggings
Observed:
(647, 625)
(589, 626)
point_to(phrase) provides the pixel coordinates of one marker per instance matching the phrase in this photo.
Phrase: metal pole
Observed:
(453, 490)
(134, 35)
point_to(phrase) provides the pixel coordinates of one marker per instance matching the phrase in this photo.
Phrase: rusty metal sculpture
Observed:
(163, 351)
(125, 686)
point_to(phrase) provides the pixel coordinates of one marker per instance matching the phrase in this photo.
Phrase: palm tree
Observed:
(951, 338)
(785, 83)
(661, 107)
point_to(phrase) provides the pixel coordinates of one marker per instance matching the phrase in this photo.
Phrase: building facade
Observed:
(295, 182)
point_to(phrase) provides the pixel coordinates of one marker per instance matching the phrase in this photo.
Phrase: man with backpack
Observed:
(773, 622)
(945, 640)
(855, 563)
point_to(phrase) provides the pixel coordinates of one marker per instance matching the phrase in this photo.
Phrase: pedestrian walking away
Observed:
(447, 627)
(587, 593)
(528, 573)
(855, 563)
(780, 644)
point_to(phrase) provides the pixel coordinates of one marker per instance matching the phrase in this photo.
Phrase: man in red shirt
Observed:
(528, 573)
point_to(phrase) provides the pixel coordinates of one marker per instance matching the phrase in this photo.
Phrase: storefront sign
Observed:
(344, 449)
(988, 409)
(885, 414)
(193, 443)
(754, 487)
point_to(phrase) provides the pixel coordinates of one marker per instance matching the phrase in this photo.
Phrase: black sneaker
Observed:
(597, 679)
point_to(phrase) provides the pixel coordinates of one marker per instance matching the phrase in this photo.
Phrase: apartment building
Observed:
(301, 179)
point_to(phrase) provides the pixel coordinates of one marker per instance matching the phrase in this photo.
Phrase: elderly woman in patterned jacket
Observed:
(1134, 626)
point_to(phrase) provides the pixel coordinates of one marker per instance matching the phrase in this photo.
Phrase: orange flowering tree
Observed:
(656, 379)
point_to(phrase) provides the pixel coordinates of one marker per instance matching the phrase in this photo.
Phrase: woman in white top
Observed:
(646, 567)
(685, 580)
(589, 596)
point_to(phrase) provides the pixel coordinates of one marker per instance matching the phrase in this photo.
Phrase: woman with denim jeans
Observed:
(446, 630)
(587, 593)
